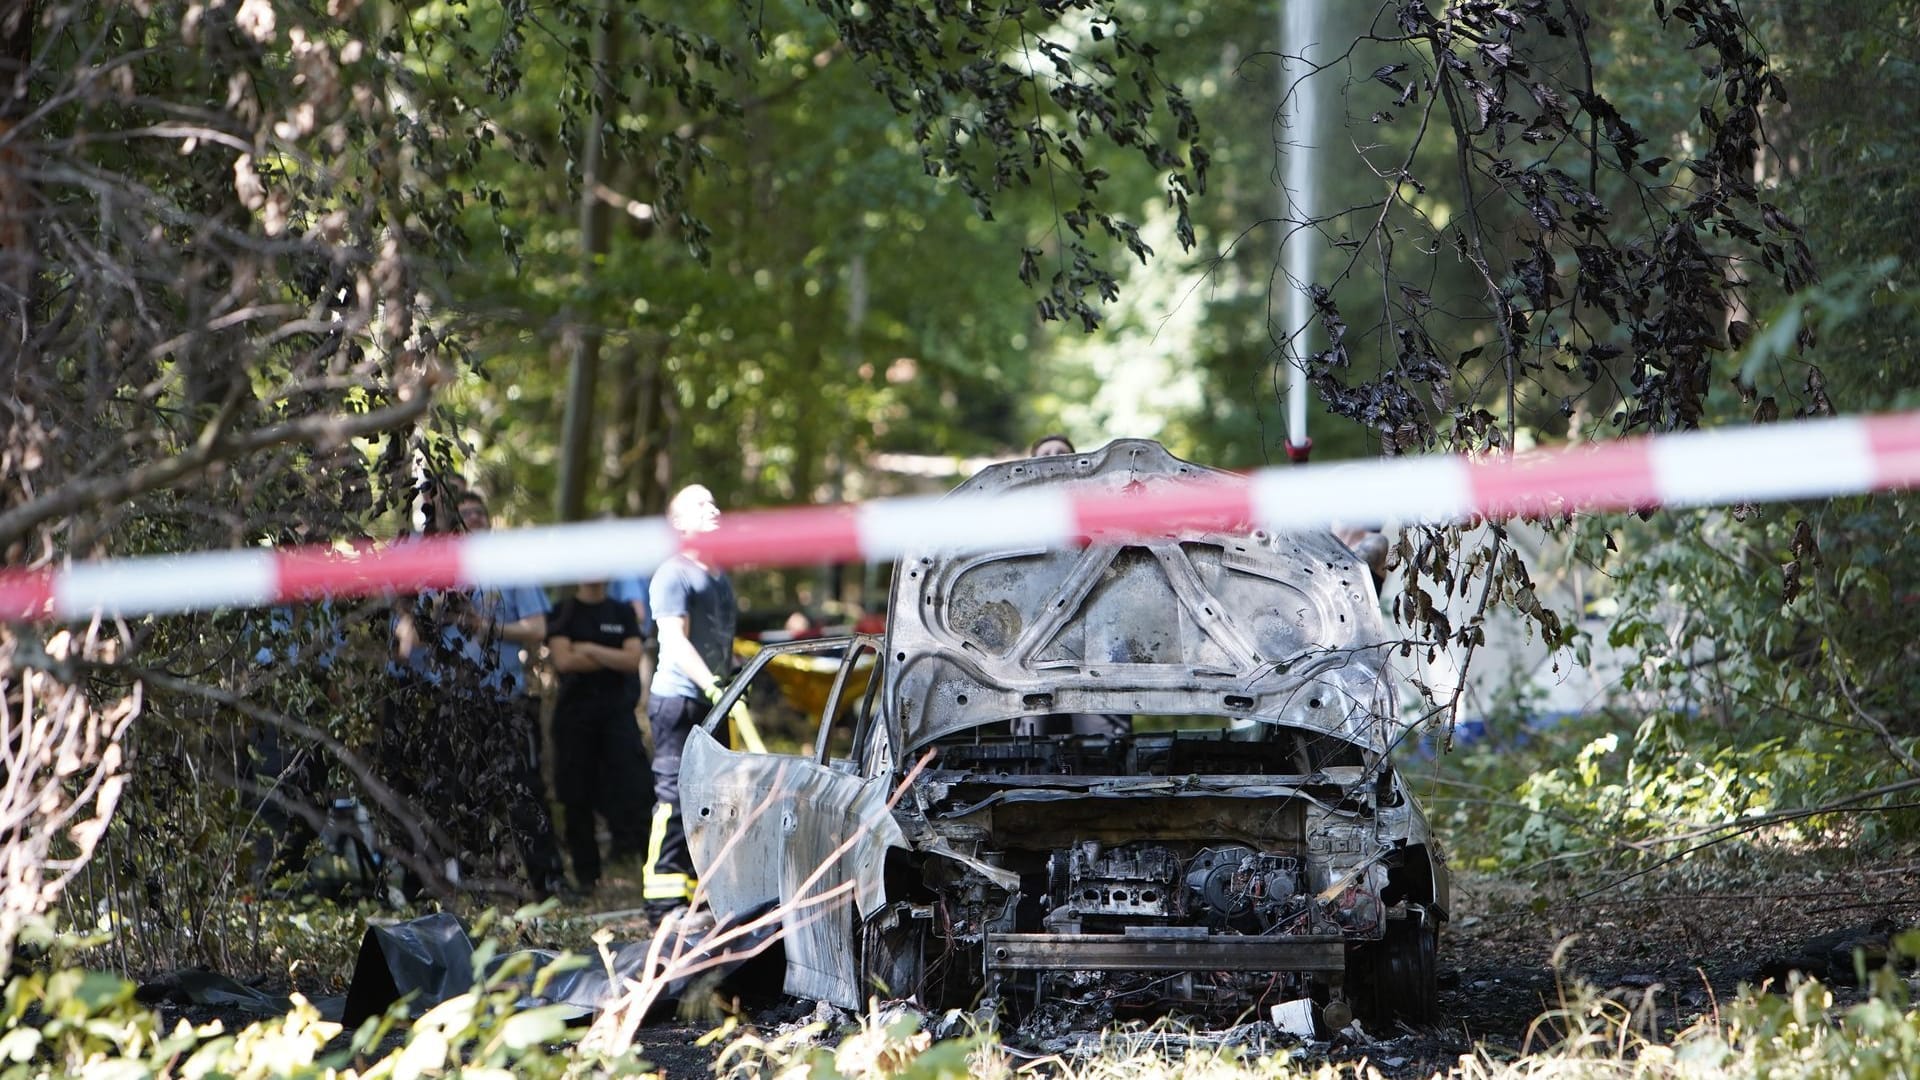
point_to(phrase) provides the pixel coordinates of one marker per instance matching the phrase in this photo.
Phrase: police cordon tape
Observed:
(1766, 463)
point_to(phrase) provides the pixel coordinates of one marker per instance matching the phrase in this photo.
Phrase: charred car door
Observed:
(803, 830)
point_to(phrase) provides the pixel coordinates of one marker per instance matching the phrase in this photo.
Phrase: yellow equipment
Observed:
(805, 680)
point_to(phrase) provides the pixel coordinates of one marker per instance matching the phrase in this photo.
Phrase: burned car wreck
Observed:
(1221, 829)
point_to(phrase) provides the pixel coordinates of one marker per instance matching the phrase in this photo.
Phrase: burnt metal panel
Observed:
(776, 827)
(1283, 628)
(1140, 952)
(1406, 824)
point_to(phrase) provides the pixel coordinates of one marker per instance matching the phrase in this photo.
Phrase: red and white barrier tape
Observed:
(1804, 459)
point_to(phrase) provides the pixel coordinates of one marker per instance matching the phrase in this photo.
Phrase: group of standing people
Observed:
(465, 735)
(461, 736)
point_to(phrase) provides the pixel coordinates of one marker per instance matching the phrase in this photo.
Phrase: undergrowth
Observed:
(66, 1021)
(1611, 792)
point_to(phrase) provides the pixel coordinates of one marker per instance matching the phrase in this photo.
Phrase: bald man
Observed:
(693, 607)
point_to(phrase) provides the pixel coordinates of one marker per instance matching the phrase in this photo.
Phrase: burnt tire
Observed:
(1395, 978)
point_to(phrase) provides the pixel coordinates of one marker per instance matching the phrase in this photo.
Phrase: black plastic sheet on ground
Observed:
(432, 959)
(431, 955)
(195, 987)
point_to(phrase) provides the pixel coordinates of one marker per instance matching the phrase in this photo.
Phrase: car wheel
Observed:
(1396, 977)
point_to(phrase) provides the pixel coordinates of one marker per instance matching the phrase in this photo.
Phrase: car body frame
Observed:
(1144, 772)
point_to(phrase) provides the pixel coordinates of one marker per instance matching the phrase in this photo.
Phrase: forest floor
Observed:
(1673, 948)
(1669, 945)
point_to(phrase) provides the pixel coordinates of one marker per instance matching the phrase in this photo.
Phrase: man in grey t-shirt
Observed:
(693, 607)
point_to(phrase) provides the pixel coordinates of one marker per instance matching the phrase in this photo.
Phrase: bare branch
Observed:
(167, 472)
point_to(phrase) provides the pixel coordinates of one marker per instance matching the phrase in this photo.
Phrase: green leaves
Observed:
(1000, 102)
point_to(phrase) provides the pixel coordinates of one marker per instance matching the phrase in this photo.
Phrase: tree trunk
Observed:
(619, 442)
(583, 370)
(653, 417)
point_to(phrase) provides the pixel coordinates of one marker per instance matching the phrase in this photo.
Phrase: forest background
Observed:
(265, 264)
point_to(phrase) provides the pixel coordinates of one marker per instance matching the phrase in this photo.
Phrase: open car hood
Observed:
(1239, 623)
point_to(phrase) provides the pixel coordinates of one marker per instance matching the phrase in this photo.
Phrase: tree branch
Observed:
(1474, 250)
(166, 472)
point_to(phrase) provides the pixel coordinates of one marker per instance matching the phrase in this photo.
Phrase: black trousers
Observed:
(600, 767)
(669, 874)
